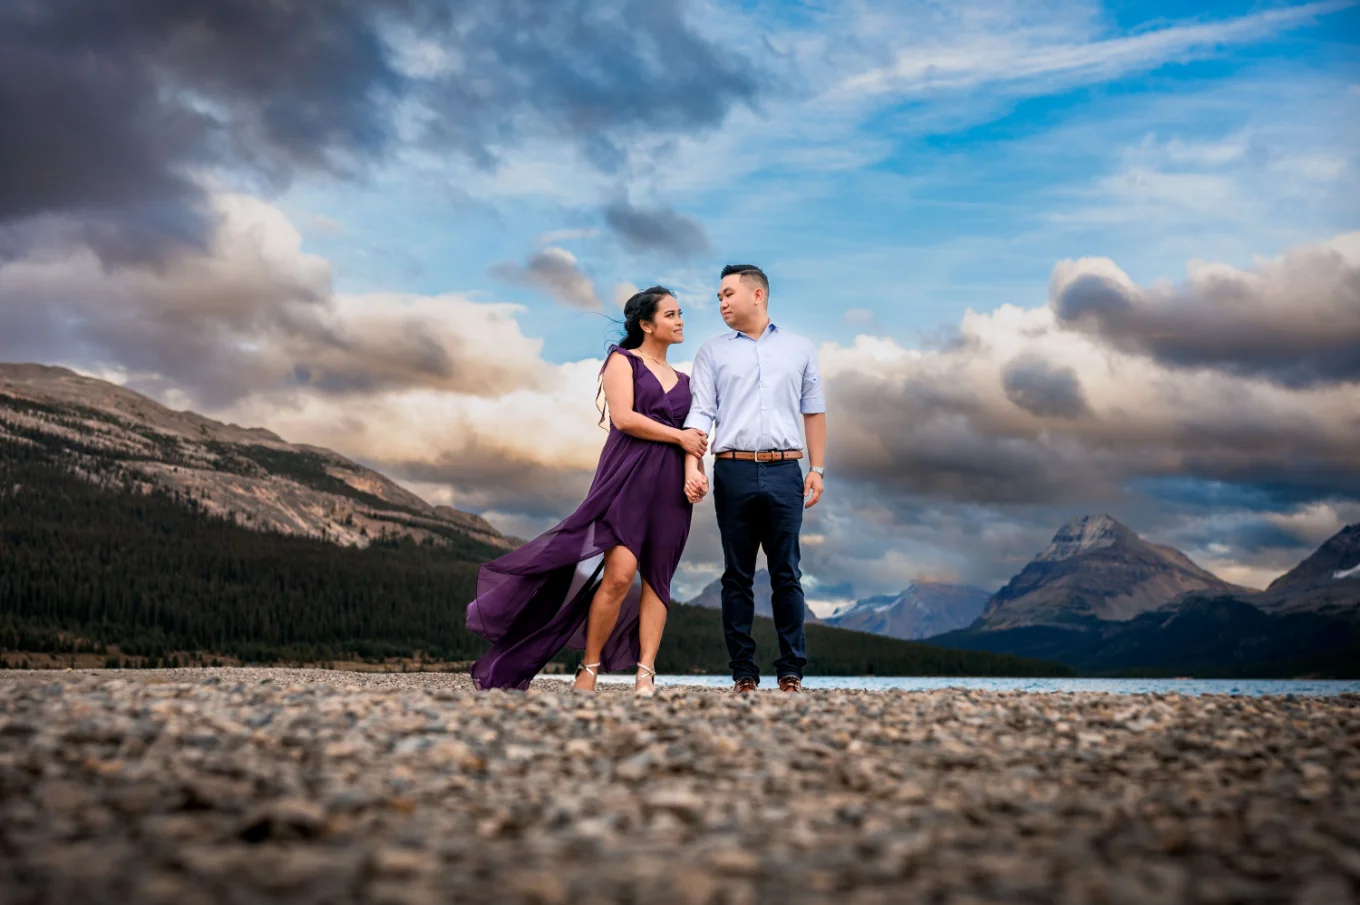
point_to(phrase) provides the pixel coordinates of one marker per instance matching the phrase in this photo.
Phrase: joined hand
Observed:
(696, 487)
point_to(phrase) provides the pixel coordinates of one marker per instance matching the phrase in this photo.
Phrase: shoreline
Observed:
(269, 785)
(619, 682)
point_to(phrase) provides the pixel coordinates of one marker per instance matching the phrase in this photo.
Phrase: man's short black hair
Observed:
(749, 271)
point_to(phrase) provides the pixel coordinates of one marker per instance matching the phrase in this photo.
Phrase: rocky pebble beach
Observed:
(311, 786)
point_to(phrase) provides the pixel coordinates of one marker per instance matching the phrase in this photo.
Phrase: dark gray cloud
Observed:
(1294, 321)
(590, 71)
(111, 109)
(489, 475)
(660, 229)
(554, 271)
(1044, 389)
(933, 438)
(943, 439)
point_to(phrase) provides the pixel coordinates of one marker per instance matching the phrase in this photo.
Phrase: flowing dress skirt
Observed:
(533, 602)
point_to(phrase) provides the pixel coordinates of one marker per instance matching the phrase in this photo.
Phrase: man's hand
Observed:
(696, 487)
(694, 442)
(812, 489)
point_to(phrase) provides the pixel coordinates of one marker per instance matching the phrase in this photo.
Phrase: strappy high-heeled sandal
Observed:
(590, 668)
(649, 690)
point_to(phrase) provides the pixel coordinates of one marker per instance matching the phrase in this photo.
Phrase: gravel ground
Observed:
(307, 786)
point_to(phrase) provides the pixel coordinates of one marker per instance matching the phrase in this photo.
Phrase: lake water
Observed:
(1250, 687)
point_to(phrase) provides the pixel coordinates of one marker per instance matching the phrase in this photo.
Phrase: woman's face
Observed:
(668, 323)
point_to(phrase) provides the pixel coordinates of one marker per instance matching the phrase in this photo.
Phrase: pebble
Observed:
(309, 786)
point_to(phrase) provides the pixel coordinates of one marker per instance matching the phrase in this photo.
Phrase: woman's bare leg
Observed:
(651, 623)
(620, 565)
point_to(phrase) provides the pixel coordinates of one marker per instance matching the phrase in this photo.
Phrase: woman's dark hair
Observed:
(641, 307)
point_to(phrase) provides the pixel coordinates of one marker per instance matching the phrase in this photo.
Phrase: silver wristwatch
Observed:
(819, 469)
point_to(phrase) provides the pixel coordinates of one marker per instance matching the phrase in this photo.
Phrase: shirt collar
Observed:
(771, 328)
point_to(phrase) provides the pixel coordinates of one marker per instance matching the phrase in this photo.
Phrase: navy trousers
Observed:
(760, 504)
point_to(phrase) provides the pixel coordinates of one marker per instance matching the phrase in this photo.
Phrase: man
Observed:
(756, 383)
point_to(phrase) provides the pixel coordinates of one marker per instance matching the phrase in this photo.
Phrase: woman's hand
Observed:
(696, 487)
(694, 442)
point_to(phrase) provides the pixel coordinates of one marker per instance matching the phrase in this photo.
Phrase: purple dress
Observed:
(533, 602)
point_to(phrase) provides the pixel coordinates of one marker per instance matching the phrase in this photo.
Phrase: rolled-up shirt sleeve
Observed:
(703, 390)
(813, 402)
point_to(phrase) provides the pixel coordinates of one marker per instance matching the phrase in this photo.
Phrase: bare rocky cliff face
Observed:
(1096, 568)
(251, 475)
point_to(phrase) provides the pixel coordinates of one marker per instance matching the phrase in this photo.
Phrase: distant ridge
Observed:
(925, 608)
(249, 474)
(1307, 623)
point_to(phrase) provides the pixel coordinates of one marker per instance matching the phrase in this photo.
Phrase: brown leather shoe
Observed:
(790, 683)
(744, 685)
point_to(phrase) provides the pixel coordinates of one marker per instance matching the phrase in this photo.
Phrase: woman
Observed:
(574, 586)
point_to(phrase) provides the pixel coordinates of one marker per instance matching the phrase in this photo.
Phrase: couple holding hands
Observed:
(756, 391)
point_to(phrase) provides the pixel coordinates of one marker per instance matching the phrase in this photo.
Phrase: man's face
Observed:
(737, 300)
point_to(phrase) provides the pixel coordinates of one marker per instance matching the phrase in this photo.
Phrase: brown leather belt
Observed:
(769, 455)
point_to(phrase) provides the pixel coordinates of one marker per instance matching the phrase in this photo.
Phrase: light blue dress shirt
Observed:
(756, 390)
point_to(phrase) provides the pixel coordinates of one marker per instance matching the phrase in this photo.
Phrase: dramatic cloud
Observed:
(944, 424)
(1221, 415)
(555, 271)
(1294, 320)
(1042, 389)
(967, 456)
(113, 112)
(660, 229)
(253, 314)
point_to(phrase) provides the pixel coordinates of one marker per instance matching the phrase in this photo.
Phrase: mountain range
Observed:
(141, 535)
(1102, 599)
(924, 609)
(1099, 598)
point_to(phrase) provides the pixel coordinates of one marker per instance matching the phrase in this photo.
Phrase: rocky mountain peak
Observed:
(1338, 559)
(1096, 568)
(1084, 534)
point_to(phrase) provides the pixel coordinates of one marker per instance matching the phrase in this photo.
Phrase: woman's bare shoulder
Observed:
(620, 359)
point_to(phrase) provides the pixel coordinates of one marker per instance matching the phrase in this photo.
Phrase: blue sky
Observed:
(918, 203)
(1059, 257)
